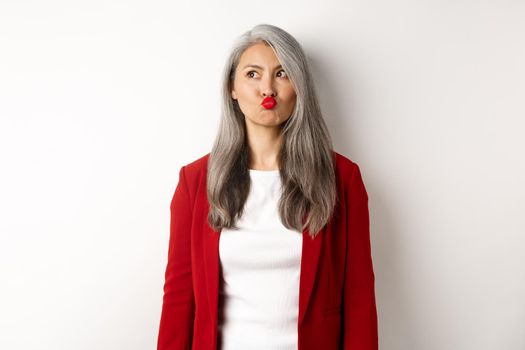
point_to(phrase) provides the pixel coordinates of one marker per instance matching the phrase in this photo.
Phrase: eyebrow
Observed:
(257, 66)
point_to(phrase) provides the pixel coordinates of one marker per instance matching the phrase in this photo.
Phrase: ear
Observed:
(232, 91)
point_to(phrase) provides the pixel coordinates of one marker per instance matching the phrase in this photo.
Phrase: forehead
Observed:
(259, 54)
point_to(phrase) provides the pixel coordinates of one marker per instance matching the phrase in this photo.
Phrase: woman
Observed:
(269, 238)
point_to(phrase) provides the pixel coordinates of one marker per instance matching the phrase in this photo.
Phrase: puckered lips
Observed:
(268, 102)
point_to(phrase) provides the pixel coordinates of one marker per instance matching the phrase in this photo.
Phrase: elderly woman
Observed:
(269, 238)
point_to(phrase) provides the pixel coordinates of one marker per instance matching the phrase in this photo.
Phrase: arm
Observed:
(176, 322)
(359, 307)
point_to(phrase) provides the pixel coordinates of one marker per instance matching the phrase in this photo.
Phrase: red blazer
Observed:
(337, 308)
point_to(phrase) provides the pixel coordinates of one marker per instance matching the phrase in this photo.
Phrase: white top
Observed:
(260, 262)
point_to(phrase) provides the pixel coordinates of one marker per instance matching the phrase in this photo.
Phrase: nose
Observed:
(267, 87)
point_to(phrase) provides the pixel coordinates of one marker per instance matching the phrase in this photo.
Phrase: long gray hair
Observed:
(306, 160)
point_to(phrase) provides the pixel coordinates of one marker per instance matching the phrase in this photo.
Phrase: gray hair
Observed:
(306, 158)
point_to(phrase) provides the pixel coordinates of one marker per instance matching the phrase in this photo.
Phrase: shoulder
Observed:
(196, 168)
(344, 165)
(197, 164)
(349, 174)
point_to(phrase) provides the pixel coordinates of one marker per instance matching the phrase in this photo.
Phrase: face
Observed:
(259, 74)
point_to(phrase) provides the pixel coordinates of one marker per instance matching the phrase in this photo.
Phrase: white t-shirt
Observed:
(259, 283)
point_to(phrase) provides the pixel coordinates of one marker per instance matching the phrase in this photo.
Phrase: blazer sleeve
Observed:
(359, 305)
(178, 306)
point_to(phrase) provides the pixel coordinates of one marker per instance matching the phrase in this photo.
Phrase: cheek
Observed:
(291, 98)
(245, 89)
(290, 93)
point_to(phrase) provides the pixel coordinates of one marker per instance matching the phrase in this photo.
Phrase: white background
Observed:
(102, 102)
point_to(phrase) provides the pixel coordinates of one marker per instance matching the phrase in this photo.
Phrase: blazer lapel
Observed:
(211, 269)
(309, 261)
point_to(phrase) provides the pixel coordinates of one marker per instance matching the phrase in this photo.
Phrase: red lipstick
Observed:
(268, 102)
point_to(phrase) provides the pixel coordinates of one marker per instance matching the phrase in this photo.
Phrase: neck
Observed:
(264, 149)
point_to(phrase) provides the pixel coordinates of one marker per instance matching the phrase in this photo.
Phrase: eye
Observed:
(283, 72)
(252, 71)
